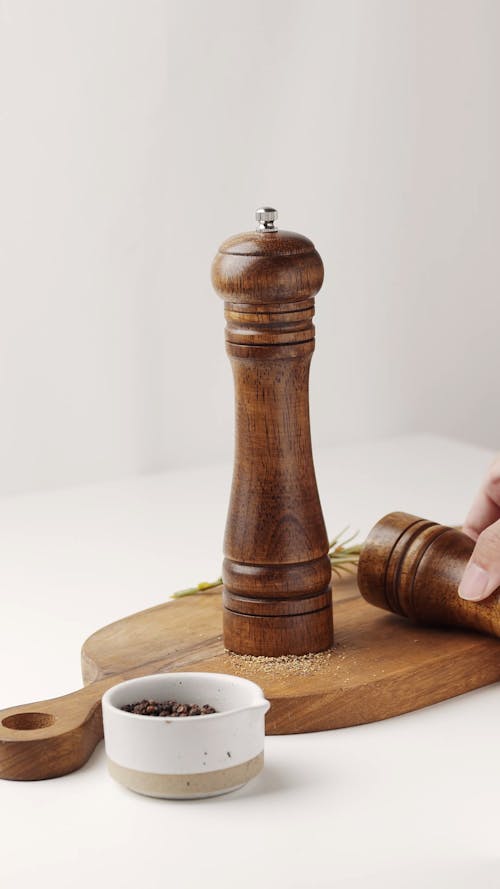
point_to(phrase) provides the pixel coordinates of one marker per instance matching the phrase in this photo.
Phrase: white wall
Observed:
(135, 136)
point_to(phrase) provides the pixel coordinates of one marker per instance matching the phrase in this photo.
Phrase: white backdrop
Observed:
(136, 134)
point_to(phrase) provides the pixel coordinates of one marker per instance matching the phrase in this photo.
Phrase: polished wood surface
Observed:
(276, 571)
(382, 665)
(413, 567)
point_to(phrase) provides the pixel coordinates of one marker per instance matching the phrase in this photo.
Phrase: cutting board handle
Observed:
(51, 738)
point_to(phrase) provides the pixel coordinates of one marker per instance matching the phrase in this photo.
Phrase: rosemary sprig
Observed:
(342, 557)
(194, 590)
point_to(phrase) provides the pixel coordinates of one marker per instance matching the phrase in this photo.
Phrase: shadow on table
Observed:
(274, 780)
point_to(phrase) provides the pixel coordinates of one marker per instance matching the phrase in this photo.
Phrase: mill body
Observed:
(413, 567)
(276, 570)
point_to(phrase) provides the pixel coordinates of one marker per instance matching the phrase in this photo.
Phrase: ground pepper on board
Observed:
(286, 664)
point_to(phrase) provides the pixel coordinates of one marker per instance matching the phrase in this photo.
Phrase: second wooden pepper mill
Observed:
(276, 573)
(413, 567)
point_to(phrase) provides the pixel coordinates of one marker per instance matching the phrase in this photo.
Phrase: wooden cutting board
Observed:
(381, 666)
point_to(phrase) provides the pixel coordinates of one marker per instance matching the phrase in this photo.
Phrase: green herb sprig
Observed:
(342, 556)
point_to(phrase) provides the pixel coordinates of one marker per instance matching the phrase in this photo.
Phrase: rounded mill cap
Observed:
(267, 265)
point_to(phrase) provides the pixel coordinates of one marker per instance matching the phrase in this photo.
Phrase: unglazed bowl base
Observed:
(195, 786)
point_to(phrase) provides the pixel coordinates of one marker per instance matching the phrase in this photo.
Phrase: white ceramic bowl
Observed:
(190, 757)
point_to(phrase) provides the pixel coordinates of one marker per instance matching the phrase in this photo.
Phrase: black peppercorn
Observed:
(167, 708)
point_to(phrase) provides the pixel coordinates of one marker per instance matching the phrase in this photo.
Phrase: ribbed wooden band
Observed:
(272, 330)
(410, 561)
(269, 352)
(283, 336)
(380, 562)
(277, 327)
(276, 607)
(270, 308)
(398, 562)
(266, 319)
(184, 786)
(275, 581)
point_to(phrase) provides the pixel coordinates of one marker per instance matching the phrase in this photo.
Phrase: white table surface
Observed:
(411, 801)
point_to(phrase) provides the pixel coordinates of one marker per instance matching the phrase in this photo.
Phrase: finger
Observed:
(482, 574)
(485, 508)
(483, 512)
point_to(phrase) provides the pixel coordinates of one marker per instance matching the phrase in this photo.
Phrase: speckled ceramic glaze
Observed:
(191, 757)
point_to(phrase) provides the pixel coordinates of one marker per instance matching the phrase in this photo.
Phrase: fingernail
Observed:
(474, 583)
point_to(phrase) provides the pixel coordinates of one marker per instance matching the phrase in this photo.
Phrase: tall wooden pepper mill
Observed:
(276, 572)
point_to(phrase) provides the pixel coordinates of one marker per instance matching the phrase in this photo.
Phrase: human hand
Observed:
(482, 575)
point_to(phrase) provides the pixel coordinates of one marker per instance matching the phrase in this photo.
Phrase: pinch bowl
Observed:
(186, 757)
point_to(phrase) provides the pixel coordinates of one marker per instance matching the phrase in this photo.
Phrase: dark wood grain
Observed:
(276, 570)
(413, 567)
(382, 665)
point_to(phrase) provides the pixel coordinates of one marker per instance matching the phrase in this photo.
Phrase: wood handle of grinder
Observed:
(413, 567)
(276, 571)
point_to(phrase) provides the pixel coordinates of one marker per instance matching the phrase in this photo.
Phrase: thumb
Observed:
(482, 575)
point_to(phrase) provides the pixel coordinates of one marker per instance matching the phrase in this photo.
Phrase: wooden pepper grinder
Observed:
(276, 572)
(413, 567)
